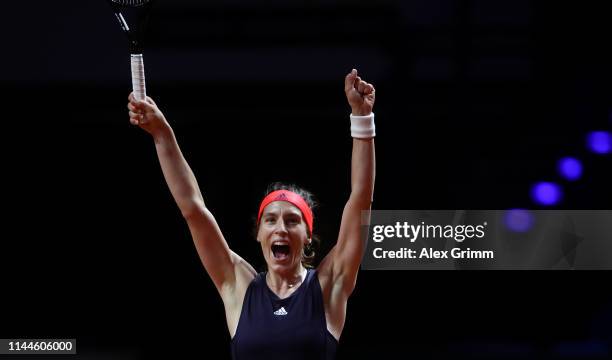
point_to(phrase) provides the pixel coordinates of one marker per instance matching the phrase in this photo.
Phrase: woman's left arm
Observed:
(346, 256)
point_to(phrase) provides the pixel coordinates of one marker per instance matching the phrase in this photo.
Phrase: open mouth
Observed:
(281, 251)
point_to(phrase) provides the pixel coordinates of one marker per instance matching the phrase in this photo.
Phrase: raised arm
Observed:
(344, 259)
(219, 261)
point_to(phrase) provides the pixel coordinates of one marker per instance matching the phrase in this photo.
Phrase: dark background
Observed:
(476, 100)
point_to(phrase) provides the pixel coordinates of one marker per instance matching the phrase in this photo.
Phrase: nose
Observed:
(280, 227)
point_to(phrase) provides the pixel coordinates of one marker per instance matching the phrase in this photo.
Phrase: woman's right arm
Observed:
(222, 264)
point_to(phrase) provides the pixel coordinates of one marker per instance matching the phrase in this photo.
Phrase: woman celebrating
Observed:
(290, 311)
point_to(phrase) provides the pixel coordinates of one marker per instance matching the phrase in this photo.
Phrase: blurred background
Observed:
(479, 104)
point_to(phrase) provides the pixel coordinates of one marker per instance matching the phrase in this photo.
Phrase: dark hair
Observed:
(309, 250)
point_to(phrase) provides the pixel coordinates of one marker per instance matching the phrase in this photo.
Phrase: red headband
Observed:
(290, 197)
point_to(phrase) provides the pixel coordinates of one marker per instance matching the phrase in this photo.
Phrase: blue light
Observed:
(600, 142)
(518, 220)
(570, 168)
(546, 193)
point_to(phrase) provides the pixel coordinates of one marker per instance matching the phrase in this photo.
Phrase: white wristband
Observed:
(362, 127)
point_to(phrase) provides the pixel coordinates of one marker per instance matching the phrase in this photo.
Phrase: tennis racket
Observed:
(132, 16)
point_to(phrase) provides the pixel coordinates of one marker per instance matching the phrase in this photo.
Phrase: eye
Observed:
(293, 221)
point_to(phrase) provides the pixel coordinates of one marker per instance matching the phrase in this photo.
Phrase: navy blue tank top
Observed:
(291, 328)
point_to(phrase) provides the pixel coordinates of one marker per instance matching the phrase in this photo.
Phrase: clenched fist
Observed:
(360, 94)
(147, 115)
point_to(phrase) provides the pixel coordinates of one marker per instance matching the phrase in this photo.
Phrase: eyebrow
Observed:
(275, 212)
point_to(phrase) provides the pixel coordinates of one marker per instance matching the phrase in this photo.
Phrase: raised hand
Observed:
(360, 94)
(146, 115)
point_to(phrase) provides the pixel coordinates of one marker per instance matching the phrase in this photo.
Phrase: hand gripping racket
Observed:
(132, 16)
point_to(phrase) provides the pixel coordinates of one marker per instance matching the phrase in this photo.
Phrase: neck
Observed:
(289, 280)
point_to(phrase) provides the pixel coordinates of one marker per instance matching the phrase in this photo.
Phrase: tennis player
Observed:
(290, 311)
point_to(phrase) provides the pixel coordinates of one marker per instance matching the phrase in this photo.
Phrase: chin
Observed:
(280, 266)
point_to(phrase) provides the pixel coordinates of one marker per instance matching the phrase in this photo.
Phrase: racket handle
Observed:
(138, 77)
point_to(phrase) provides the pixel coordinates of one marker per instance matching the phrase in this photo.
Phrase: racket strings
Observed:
(131, 2)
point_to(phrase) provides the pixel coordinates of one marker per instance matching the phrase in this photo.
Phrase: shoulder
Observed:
(334, 297)
(336, 285)
(233, 295)
(325, 275)
(244, 274)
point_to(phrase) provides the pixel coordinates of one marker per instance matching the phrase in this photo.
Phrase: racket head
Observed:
(132, 16)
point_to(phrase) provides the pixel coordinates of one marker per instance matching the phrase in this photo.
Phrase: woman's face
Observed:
(282, 234)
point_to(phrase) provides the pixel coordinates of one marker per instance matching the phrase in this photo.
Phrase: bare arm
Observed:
(219, 261)
(344, 259)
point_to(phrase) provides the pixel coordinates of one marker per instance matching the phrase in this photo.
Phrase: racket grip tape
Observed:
(138, 77)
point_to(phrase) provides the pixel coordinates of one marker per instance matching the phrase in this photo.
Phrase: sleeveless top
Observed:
(291, 328)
